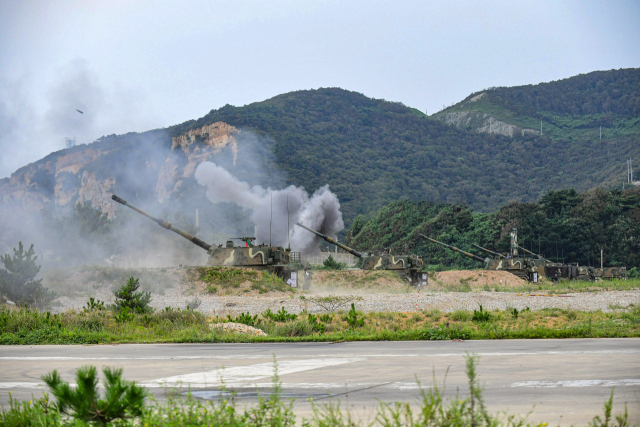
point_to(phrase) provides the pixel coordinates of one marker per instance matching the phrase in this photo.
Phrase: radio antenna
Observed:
(288, 229)
(270, 219)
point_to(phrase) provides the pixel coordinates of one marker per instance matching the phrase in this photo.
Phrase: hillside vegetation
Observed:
(572, 109)
(563, 225)
(372, 152)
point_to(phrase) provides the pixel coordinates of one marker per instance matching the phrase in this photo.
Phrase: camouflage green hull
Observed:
(405, 266)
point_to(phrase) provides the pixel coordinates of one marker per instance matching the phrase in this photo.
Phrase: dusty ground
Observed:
(370, 291)
(476, 278)
(358, 282)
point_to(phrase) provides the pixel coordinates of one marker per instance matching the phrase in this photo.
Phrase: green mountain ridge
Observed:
(573, 109)
(369, 151)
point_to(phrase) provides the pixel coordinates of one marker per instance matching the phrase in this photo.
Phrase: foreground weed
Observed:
(353, 320)
(481, 315)
(122, 399)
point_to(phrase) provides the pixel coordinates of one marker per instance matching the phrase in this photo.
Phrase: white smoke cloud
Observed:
(320, 211)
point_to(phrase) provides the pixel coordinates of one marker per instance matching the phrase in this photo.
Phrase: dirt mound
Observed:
(476, 279)
(356, 281)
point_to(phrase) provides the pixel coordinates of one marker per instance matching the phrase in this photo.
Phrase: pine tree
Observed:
(128, 298)
(17, 282)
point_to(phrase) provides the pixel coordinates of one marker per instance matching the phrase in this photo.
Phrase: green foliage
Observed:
(515, 313)
(621, 420)
(231, 278)
(481, 315)
(316, 323)
(633, 273)
(124, 315)
(372, 152)
(564, 226)
(17, 279)
(280, 316)
(34, 413)
(331, 264)
(353, 320)
(128, 298)
(246, 319)
(89, 220)
(94, 305)
(122, 399)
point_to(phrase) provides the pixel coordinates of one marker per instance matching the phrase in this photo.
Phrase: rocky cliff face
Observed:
(151, 163)
(482, 122)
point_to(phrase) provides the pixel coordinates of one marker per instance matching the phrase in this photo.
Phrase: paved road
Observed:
(567, 380)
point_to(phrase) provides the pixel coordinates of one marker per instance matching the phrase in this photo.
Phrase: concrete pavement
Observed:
(559, 381)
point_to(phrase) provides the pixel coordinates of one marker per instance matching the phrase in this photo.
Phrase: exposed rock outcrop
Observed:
(482, 122)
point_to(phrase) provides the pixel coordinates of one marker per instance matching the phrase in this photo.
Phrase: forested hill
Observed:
(574, 109)
(564, 225)
(372, 152)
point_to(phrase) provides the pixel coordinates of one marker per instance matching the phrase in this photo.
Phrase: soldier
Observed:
(307, 279)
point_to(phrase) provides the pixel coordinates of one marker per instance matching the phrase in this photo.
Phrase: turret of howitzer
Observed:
(332, 241)
(405, 266)
(276, 260)
(496, 254)
(453, 248)
(164, 224)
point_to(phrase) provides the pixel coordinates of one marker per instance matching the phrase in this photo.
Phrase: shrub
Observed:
(246, 319)
(122, 399)
(36, 412)
(17, 279)
(481, 315)
(460, 316)
(353, 320)
(315, 324)
(127, 297)
(280, 316)
(331, 264)
(94, 305)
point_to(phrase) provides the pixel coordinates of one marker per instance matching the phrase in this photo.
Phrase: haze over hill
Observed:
(370, 152)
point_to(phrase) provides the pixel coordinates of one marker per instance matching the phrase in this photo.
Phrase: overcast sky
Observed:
(138, 65)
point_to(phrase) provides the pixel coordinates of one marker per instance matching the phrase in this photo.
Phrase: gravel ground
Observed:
(444, 301)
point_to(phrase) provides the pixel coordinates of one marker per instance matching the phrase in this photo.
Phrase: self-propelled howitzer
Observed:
(453, 248)
(276, 260)
(515, 265)
(406, 266)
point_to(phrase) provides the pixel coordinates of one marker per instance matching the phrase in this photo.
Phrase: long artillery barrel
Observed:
(529, 252)
(332, 241)
(453, 248)
(488, 251)
(164, 224)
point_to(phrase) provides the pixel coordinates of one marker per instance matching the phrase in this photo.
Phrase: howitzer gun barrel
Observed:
(528, 251)
(453, 248)
(488, 251)
(332, 241)
(164, 224)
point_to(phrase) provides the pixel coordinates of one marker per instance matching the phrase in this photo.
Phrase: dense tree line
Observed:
(610, 93)
(564, 226)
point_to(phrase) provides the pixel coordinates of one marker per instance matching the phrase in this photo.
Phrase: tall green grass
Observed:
(25, 326)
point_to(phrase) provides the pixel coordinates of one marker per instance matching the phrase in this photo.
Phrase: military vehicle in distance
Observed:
(405, 266)
(525, 269)
(275, 260)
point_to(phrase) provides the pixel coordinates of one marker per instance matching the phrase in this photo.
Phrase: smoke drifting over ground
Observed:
(320, 211)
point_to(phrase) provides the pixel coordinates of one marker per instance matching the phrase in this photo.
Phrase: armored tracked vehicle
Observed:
(276, 260)
(405, 266)
(521, 267)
